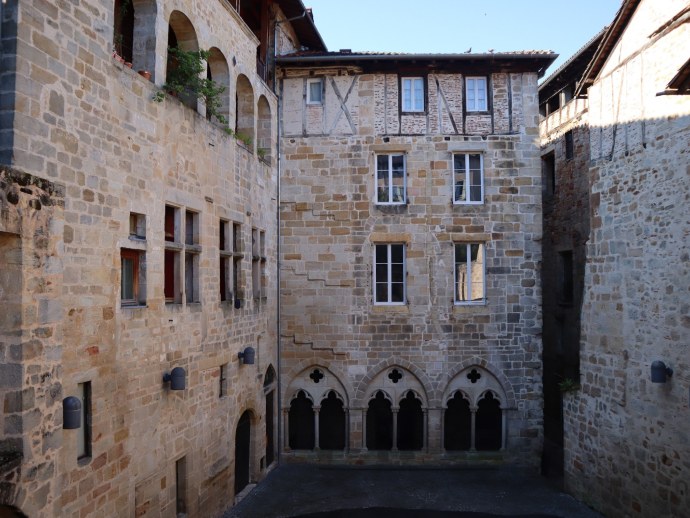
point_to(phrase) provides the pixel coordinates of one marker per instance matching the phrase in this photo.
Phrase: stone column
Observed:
(472, 429)
(395, 429)
(317, 409)
(364, 429)
(425, 430)
(286, 430)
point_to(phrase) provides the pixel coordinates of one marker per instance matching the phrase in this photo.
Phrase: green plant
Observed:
(262, 152)
(187, 78)
(245, 139)
(568, 385)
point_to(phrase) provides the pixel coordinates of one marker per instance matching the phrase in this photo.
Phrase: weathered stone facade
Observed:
(334, 337)
(99, 172)
(626, 438)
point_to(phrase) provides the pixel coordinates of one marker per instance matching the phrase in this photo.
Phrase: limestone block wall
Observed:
(31, 377)
(626, 438)
(85, 122)
(330, 225)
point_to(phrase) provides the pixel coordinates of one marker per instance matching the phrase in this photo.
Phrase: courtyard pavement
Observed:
(374, 492)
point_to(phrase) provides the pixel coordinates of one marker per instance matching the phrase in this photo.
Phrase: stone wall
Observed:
(627, 439)
(88, 123)
(31, 377)
(330, 225)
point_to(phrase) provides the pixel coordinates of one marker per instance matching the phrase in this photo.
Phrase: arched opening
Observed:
(244, 114)
(242, 451)
(123, 30)
(332, 423)
(218, 71)
(301, 422)
(181, 35)
(488, 423)
(457, 424)
(410, 423)
(263, 132)
(269, 391)
(379, 423)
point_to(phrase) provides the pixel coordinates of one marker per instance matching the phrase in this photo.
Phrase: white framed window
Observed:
(391, 179)
(389, 274)
(469, 273)
(468, 178)
(476, 94)
(413, 94)
(315, 91)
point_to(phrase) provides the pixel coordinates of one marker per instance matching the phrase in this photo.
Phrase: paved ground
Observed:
(334, 492)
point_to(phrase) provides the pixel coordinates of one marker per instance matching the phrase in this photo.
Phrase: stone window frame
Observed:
(389, 187)
(84, 444)
(137, 282)
(389, 282)
(413, 98)
(475, 107)
(466, 172)
(483, 248)
(259, 263)
(311, 100)
(182, 249)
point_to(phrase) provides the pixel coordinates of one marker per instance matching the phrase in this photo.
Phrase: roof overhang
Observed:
(369, 62)
(303, 23)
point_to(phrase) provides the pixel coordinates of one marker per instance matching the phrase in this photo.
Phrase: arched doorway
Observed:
(457, 424)
(242, 451)
(410, 423)
(332, 423)
(301, 422)
(379, 423)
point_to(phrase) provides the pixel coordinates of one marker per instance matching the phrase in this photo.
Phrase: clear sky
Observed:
(451, 26)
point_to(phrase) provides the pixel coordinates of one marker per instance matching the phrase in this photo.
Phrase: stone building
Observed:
(564, 133)
(626, 437)
(138, 237)
(410, 228)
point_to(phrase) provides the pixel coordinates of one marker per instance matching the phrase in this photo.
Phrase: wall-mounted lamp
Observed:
(238, 303)
(247, 356)
(660, 372)
(71, 413)
(176, 377)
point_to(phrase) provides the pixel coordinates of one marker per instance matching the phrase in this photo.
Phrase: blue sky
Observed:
(448, 26)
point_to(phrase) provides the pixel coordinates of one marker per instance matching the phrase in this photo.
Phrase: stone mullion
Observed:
(317, 410)
(286, 430)
(425, 430)
(364, 429)
(395, 429)
(472, 428)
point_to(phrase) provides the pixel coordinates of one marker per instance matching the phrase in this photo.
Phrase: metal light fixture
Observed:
(247, 356)
(71, 413)
(176, 377)
(660, 372)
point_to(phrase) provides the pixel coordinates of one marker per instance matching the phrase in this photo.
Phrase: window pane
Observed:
(381, 254)
(127, 283)
(407, 95)
(381, 292)
(459, 162)
(381, 272)
(315, 91)
(397, 275)
(396, 253)
(475, 162)
(419, 95)
(477, 271)
(397, 292)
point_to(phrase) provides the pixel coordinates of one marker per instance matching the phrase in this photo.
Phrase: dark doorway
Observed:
(332, 423)
(457, 427)
(488, 423)
(379, 423)
(410, 423)
(301, 423)
(269, 379)
(242, 451)
(269, 428)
